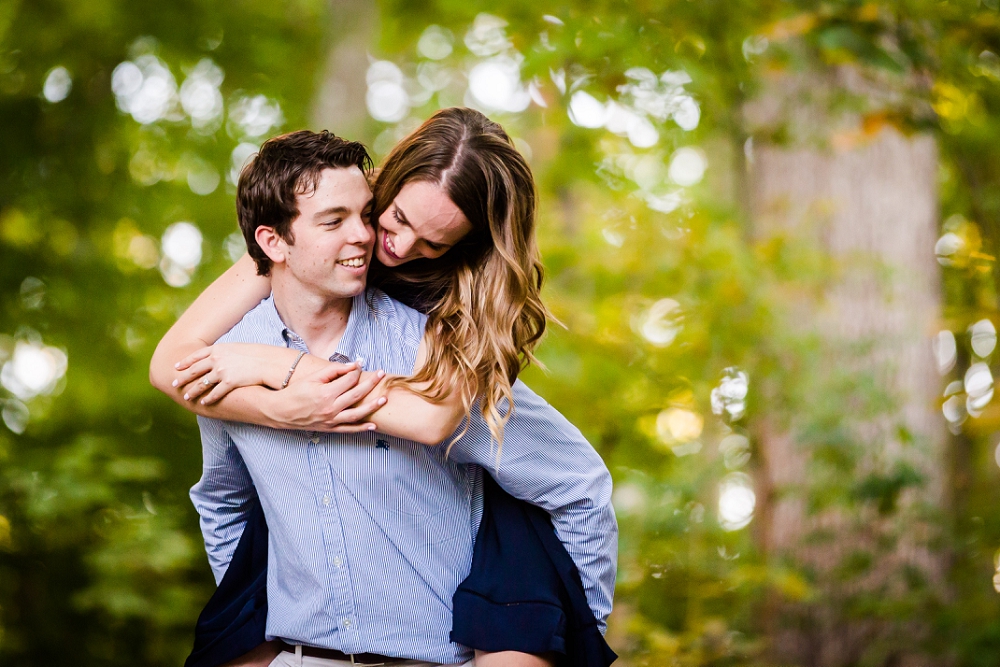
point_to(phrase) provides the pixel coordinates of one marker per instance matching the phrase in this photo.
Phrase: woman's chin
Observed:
(386, 259)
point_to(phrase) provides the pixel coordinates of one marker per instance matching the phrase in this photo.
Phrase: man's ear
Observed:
(273, 245)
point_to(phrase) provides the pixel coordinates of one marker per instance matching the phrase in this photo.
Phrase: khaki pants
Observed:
(286, 659)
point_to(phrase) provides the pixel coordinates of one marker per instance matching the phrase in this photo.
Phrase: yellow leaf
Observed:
(4, 532)
(18, 230)
(791, 27)
(868, 12)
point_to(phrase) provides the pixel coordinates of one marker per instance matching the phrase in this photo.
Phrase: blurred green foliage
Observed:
(664, 293)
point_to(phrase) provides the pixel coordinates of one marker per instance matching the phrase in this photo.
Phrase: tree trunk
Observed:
(339, 105)
(869, 205)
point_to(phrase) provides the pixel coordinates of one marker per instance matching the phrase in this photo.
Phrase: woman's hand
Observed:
(328, 400)
(225, 366)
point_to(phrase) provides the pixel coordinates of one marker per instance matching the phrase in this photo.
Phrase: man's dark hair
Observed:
(284, 167)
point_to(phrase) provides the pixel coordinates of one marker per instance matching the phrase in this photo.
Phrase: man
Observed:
(370, 535)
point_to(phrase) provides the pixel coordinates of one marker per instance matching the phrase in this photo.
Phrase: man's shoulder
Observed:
(257, 326)
(409, 320)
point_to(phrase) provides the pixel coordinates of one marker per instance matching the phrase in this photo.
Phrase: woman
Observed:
(455, 208)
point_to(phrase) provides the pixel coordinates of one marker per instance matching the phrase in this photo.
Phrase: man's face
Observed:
(333, 237)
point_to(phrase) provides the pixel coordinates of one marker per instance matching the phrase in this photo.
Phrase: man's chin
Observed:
(354, 290)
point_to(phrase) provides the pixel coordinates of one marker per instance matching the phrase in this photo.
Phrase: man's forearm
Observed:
(222, 496)
(591, 539)
(547, 462)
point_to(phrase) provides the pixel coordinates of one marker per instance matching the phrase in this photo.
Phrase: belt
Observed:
(333, 654)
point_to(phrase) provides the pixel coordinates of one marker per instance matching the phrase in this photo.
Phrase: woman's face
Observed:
(420, 222)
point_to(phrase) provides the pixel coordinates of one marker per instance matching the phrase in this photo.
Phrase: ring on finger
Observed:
(206, 382)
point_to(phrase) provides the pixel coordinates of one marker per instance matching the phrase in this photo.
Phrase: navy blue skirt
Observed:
(523, 593)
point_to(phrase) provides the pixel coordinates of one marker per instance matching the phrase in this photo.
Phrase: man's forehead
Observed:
(346, 185)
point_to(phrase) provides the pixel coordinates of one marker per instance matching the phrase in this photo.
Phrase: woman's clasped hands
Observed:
(318, 395)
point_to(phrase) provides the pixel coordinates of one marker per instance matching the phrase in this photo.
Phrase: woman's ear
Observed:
(273, 245)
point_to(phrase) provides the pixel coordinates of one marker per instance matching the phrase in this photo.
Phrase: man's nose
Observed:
(360, 231)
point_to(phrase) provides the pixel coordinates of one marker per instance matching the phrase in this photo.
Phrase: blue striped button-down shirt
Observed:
(370, 535)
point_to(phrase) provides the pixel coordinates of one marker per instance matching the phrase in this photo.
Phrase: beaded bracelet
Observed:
(288, 378)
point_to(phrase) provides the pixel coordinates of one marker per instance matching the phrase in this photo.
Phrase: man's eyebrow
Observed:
(334, 210)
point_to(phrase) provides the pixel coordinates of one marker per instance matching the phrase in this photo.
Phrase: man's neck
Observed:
(319, 319)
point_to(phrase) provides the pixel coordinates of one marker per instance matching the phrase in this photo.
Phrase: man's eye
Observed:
(331, 223)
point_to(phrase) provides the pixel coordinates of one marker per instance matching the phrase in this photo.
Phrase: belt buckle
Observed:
(365, 664)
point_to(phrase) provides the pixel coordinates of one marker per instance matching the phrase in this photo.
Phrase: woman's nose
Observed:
(403, 244)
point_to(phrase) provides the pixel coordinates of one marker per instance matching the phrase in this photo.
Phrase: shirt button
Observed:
(337, 561)
(314, 440)
(347, 623)
(326, 500)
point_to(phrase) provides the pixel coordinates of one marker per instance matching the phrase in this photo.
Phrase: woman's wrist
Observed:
(275, 370)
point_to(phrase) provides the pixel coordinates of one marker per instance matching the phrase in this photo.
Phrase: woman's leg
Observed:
(513, 659)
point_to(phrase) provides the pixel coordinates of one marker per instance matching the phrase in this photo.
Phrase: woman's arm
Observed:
(213, 313)
(320, 395)
(413, 417)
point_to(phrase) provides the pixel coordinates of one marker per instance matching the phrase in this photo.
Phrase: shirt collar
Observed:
(352, 344)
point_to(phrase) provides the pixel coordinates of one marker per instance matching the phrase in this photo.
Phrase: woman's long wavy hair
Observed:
(482, 297)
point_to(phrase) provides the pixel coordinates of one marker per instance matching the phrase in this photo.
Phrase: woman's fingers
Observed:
(196, 388)
(193, 357)
(353, 428)
(193, 372)
(217, 393)
(332, 371)
(336, 388)
(361, 412)
(358, 393)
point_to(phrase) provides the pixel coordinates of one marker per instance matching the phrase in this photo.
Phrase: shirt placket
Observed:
(342, 591)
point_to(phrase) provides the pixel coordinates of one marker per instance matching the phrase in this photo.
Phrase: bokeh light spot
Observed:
(945, 351)
(496, 83)
(255, 116)
(729, 398)
(948, 245)
(34, 369)
(983, 337)
(58, 84)
(687, 166)
(202, 177)
(239, 158)
(661, 323)
(737, 501)
(200, 96)
(144, 88)
(387, 100)
(435, 42)
(181, 248)
(586, 111)
(487, 36)
(679, 425)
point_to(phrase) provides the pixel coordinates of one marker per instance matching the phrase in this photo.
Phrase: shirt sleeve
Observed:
(547, 462)
(222, 496)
